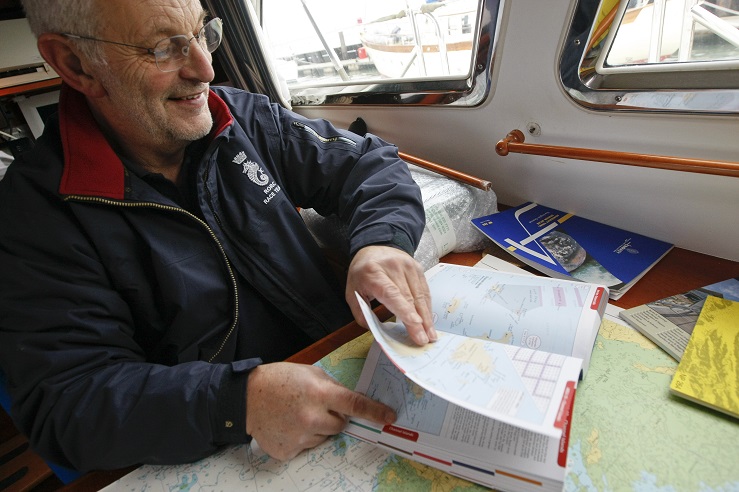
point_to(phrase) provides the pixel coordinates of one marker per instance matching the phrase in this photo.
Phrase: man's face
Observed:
(145, 106)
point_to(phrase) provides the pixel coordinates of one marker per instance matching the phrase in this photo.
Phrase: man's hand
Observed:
(396, 280)
(292, 407)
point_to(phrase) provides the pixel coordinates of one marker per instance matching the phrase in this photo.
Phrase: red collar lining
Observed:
(91, 166)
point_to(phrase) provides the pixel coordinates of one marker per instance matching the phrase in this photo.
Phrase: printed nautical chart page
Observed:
(514, 385)
(452, 438)
(552, 315)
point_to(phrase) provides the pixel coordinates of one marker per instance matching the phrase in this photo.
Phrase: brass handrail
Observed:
(514, 142)
(449, 173)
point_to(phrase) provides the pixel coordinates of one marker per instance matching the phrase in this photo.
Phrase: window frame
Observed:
(705, 89)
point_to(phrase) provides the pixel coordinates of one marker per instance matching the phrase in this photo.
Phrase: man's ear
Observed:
(59, 51)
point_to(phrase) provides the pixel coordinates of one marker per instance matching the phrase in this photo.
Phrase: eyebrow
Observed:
(203, 15)
(201, 21)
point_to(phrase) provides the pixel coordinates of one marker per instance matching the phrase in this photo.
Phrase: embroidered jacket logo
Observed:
(251, 169)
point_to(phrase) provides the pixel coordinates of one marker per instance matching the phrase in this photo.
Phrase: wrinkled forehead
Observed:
(140, 21)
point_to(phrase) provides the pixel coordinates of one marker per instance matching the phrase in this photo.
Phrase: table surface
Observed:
(679, 271)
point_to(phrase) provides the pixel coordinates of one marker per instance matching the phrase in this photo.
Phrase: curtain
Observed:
(244, 52)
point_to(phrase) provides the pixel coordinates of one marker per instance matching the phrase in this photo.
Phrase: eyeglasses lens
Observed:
(170, 54)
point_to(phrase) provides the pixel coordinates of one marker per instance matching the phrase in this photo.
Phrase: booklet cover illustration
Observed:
(563, 245)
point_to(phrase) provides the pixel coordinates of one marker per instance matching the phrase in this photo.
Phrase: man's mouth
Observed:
(188, 97)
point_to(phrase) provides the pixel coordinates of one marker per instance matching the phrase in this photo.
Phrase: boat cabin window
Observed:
(381, 51)
(667, 55)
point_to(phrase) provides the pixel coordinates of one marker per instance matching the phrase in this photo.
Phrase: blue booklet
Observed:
(563, 245)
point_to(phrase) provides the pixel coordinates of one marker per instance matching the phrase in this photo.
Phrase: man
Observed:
(155, 269)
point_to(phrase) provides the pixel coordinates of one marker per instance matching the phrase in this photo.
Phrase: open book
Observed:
(490, 401)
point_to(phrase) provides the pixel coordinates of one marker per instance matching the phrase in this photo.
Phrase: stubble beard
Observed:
(154, 122)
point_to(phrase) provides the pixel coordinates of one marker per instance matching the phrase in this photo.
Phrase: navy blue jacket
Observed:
(119, 308)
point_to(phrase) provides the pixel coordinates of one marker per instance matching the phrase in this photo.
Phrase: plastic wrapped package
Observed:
(5, 159)
(450, 205)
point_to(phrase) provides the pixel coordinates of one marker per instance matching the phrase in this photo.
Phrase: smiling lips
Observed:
(190, 97)
(187, 98)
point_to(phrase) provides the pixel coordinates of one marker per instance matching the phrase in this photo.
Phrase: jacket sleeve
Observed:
(360, 179)
(80, 386)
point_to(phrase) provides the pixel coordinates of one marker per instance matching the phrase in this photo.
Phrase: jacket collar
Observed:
(91, 167)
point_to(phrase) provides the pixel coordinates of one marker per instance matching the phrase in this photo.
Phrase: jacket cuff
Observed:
(229, 419)
(401, 240)
(395, 238)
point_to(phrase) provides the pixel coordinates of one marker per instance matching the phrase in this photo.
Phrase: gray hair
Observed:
(67, 16)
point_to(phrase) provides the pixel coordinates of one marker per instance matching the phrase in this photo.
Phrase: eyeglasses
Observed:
(170, 53)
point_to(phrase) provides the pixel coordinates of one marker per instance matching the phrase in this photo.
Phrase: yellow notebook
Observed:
(708, 372)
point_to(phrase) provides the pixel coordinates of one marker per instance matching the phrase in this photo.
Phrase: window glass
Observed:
(325, 47)
(666, 32)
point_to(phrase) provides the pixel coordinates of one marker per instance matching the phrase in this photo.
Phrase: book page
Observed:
(494, 263)
(430, 427)
(514, 385)
(551, 315)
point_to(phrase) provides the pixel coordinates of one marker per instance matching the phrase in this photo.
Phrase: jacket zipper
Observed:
(201, 222)
(306, 128)
(294, 295)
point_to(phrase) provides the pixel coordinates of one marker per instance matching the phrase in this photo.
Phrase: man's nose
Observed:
(199, 63)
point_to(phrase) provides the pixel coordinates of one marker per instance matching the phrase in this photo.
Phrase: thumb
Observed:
(356, 309)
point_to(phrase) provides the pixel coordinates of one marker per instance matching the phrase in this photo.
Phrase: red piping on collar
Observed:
(91, 167)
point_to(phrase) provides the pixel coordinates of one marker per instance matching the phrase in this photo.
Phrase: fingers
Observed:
(292, 407)
(418, 303)
(352, 404)
(396, 280)
(351, 299)
(410, 303)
